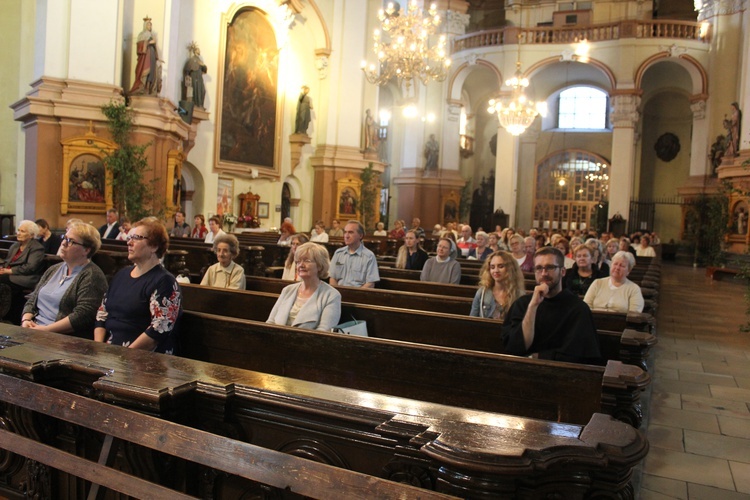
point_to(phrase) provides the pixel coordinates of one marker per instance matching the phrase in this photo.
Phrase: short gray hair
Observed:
(627, 257)
(31, 227)
(229, 239)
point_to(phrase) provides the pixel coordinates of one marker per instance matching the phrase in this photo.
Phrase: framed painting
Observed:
(348, 198)
(248, 106)
(87, 184)
(225, 196)
(263, 210)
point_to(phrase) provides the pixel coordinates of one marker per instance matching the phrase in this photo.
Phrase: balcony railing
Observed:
(680, 30)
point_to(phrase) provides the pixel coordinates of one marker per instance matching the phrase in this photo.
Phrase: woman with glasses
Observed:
(67, 296)
(311, 303)
(21, 270)
(225, 273)
(143, 302)
(500, 284)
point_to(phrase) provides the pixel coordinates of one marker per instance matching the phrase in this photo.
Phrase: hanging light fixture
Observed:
(406, 54)
(517, 113)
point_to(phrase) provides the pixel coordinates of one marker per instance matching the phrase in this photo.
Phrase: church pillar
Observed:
(506, 173)
(625, 117)
(700, 164)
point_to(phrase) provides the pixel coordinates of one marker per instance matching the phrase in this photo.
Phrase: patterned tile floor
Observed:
(698, 413)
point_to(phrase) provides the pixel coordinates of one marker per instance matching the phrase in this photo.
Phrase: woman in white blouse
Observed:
(616, 292)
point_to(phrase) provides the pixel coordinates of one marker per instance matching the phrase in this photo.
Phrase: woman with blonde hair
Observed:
(290, 269)
(411, 255)
(500, 284)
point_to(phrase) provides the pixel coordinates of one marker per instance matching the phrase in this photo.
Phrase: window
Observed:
(582, 108)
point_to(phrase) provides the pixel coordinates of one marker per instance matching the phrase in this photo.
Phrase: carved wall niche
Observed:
(87, 184)
(249, 204)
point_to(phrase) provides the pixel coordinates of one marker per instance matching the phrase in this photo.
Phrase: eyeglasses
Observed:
(69, 241)
(305, 261)
(549, 269)
(136, 237)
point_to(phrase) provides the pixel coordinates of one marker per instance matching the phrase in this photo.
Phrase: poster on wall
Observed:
(248, 118)
(225, 195)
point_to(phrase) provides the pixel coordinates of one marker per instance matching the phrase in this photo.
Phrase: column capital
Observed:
(625, 110)
(713, 8)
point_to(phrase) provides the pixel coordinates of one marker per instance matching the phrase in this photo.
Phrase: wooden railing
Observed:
(680, 30)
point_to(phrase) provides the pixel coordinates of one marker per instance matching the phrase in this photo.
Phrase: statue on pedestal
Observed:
(369, 134)
(304, 106)
(147, 69)
(732, 124)
(431, 150)
(195, 90)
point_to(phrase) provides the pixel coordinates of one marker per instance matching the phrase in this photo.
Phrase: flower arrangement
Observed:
(249, 221)
(230, 219)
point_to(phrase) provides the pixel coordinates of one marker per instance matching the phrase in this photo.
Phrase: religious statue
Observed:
(147, 69)
(741, 216)
(431, 150)
(732, 125)
(195, 90)
(304, 105)
(370, 133)
(717, 152)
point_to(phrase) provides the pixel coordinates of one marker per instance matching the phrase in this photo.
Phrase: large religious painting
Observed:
(348, 198)
(248, 112)
(86, 184)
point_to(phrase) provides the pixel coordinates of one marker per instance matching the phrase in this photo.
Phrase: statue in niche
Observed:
(195, 90)
(717, 152)
(147, 69)
(431, 150)
(740, 217)
(304, 107)
(732, 125)
(370, 133)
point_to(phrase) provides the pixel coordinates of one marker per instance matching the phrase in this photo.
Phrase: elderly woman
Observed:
(312, 303)
(143, 302)
(225, 273)
(290, 268)
(214, 230)
(287, 231)
(66, 298)
(398, 230)
(500, 284)
(616, 293)
(645, 250)
(518, 250)
(584, 272)
(411, 255)
(21, 270)
(380, 230)
(443, 268)
(482, 250)
(319, 234)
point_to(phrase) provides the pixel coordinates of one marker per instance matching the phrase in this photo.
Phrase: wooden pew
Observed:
(213, 418)
(483, 381)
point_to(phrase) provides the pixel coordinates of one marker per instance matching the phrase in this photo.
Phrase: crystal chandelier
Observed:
(405, 53)
(517, 113)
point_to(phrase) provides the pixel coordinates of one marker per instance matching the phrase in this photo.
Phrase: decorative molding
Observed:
(297, 142)
(456, 22)
(625, 110)
(713, 8)
(699, 109)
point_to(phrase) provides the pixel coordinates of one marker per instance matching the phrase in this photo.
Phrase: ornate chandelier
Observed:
(517, 113)
(405, 54)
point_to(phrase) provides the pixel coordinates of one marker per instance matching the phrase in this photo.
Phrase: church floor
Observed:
(698, 417)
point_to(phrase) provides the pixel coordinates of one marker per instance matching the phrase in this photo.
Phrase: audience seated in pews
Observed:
(319, 234)
(49, 241)
(290, 268)
(125, 227)
(579, 278)
(598, 258)
(199, 227)
(645, 249)
(466, 242)
(397, 232)
(518, 250)
(141, 308)
(66, 298)
(551, 323)
(380, 230)
(22, 269)
(443, 268)
(612, 247)
(287, 231)
(335, 230)
(482, 250)
(181, 229)
(214, 229)
(411, 255)
(561, 243)
(417, 228)
(354, 264)
(616, 293)
(625, 245)
(312, 303)
(500, 284)
(225, 273)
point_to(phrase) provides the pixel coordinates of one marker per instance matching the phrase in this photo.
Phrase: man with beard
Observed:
(551, 323)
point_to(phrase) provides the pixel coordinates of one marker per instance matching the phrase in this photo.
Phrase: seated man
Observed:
(466, 242)
(551, 323)
(354, 264)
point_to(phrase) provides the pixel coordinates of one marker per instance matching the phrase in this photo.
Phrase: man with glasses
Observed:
(551, 323)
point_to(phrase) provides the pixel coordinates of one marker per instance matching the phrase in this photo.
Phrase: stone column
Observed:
(625, 116)
(700, 164)
(506, 173)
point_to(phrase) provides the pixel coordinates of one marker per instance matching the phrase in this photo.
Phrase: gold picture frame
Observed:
(225, 196)
(86, 182)
(348, 198)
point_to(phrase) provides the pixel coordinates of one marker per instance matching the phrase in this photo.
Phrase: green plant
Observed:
(708, 227)
(127, 164)
(369, 196)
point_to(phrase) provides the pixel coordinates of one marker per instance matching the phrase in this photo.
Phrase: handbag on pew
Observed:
(354, 327)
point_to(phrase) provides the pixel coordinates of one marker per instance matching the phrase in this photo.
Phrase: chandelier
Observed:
(405, 53)
(517, 113)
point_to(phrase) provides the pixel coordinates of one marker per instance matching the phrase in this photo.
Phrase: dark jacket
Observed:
(112, 234)
(28, 268)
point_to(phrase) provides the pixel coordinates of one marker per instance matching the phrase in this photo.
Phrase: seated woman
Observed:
(214, 229)
(319, 234)
(49, 241)
(562, 244)
(579, 278)
(612, 247)
(143, 302)
(398, 230)
(290, 268)
(598, 259)
(482, 250)
(500, 284)
(225, 273)
(287, 231)
(311, 304)
(518, 250)
(66, 298)
(645, 250)
(380, 230)
(443, 268)
(411, 255)
(125, 227)
(21, 270)
(199, 227)
(616, 293)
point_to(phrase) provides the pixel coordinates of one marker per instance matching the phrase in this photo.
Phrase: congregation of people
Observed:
(140, 307)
